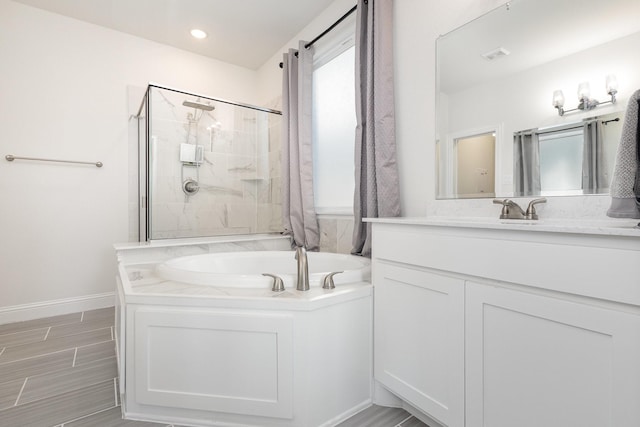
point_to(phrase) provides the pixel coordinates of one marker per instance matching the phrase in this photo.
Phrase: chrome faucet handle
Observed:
(507, 212)
(505, 207)
(327, 282)
(278, 284)
(531, 210)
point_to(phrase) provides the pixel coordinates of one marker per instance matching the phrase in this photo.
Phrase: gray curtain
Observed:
(298, 211)
(594, 174)
(376, 170)
(526, 162)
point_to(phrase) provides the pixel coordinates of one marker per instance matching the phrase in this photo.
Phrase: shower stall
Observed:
(208, 167)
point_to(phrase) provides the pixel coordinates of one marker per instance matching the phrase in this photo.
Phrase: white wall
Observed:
(63, 94)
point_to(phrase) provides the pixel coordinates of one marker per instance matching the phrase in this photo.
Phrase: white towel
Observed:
(625, 184)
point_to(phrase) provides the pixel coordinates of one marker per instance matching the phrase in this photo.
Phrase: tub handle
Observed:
(327, 282)
(278, 284)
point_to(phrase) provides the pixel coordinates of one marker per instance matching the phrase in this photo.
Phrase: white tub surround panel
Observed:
(241, 363)
(509, 323)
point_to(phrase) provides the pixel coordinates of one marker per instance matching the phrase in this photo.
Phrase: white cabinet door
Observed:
(224, 361)
(419, 339)
(534, 361)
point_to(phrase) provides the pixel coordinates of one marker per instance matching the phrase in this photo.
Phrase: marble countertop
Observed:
(608, 227)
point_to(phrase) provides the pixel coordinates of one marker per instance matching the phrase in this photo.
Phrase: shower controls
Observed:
(190, 186)
(191, 154)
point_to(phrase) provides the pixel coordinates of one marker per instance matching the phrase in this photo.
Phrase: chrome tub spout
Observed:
(302, 283)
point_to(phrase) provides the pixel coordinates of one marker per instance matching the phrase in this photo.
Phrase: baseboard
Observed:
(19, 313)
(383, 397)
(348, 414)
(430, 422)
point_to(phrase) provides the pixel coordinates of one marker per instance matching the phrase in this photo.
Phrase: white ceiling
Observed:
(242, 32)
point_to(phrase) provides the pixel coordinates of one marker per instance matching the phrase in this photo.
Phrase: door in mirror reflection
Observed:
(475, 165)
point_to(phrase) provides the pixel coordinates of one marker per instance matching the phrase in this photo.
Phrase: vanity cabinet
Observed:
(535, 360)
(508, 326)
(419, 336)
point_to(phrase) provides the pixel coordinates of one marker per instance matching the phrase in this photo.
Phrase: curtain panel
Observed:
(298, 210)
(376, 170)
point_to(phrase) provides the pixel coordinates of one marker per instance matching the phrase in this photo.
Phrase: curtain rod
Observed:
(335, 24)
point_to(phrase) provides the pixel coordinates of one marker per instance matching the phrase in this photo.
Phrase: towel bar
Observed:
(11, 158)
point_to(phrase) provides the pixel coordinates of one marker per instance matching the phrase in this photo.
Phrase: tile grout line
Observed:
(85, 416)
(115, 392)
(37, 355)
(47, 334)
(21, 390)
(403, 421)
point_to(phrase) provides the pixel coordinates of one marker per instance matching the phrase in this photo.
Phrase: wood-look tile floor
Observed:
(61, 372)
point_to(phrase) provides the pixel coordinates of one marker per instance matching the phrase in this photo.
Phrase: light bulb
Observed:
(612, 84)
(584, 91)
(558, 98)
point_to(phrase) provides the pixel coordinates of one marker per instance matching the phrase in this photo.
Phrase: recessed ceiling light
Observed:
(199, 34)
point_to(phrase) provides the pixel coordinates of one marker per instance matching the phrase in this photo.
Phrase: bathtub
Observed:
(245, 269)
(202, 340)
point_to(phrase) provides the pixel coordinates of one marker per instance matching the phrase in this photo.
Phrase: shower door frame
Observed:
(144, 185)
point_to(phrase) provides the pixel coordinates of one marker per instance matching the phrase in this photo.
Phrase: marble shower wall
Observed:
(336, 233)
(239, 176)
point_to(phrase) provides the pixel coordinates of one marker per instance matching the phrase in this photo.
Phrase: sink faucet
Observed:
(511, 210)
(302, 283)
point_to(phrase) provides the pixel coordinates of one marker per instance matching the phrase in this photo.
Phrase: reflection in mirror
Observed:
(474, 163)
(500, 72)
(570, 159)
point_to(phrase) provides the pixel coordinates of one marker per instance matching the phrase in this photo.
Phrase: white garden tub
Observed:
(245, 269)
(202, 340)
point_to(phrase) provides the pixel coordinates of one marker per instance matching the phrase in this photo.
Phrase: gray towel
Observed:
(625, 184)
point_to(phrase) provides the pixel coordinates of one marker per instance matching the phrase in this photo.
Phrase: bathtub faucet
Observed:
(302, 283)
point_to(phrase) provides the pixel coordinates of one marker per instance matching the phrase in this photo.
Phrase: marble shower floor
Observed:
(61, 372)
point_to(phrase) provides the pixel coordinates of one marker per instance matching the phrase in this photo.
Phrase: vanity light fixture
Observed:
(198, 34)
(584, 93)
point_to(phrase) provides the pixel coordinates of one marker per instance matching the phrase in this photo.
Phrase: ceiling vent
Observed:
(495, 54)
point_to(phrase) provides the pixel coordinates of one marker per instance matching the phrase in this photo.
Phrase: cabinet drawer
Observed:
(591, 267)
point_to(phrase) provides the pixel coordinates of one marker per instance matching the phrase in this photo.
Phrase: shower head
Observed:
(198, 105)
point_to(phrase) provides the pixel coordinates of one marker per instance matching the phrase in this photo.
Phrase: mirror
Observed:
(499, 75)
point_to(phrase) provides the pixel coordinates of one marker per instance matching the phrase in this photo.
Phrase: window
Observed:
(333, 128)
(561, 161)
